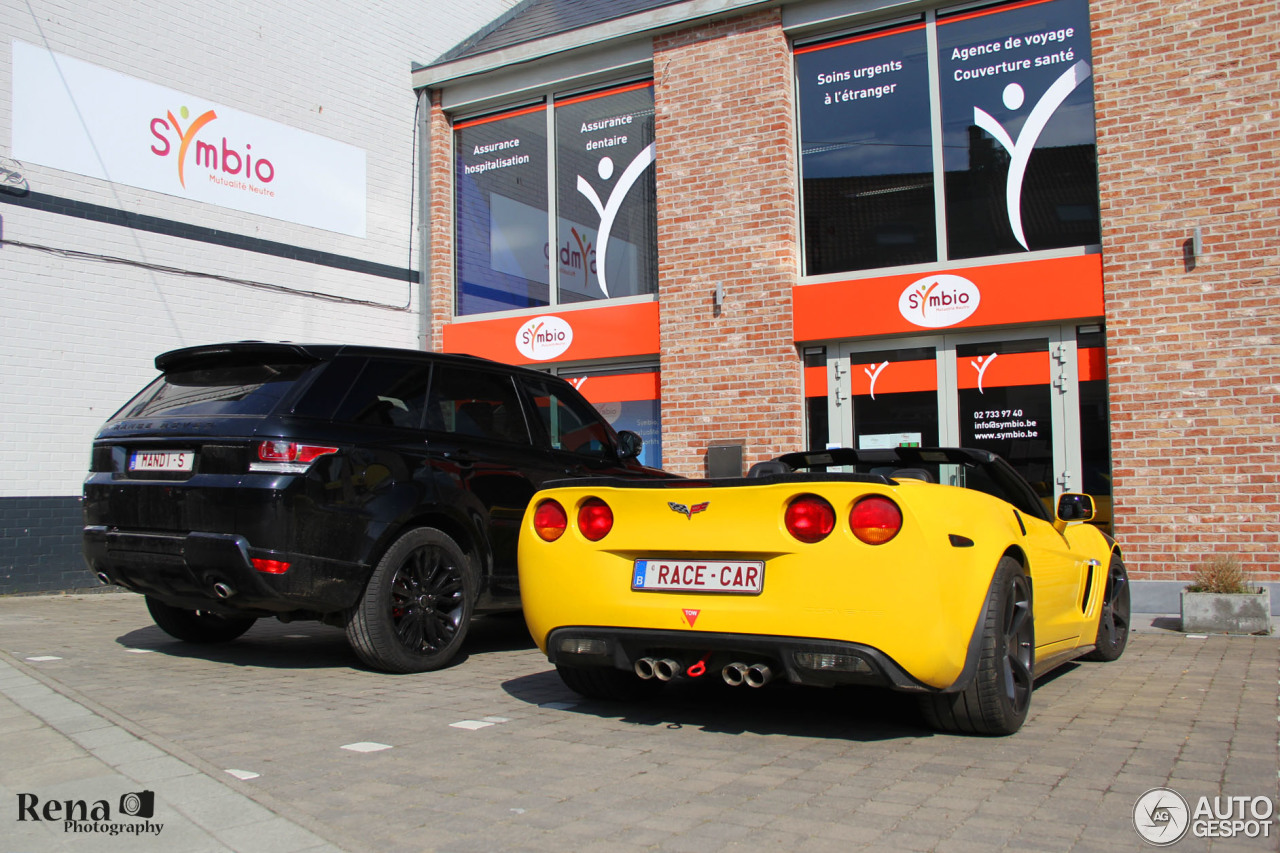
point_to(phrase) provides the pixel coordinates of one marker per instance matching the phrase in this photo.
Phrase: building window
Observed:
(606, 194)
(500, 211)
(1016, 87)
(866, 153)
(627, 397)
(599, 158)
(1000, 136)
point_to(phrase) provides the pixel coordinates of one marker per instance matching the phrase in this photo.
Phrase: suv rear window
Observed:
(242, 389)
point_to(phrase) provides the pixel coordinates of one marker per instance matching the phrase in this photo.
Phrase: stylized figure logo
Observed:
(187, 136)
(609, 210)
(874, 374)
(981, 366)
(688, 511)
(1020, 151)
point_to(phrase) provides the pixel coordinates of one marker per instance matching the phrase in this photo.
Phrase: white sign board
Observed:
(78, 117)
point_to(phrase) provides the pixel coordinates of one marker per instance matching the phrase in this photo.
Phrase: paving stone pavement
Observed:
(281, 742)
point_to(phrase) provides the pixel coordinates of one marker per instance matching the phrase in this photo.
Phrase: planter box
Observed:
(1217, 612)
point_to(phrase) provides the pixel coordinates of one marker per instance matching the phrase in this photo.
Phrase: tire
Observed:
(1113, 616)
(197, 626)
(417, 606)
(997, 700)
(606, 683)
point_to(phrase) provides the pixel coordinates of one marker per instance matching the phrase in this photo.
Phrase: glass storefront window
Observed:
(1013, 121)
(606, 195)
(500, 213)
(866, 156)
(601, 164)
(1018, 131)
(628, 399)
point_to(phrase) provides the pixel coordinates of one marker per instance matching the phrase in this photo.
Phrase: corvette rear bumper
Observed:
(801, 660)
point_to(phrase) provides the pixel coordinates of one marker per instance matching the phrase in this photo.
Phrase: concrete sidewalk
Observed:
(280, 742)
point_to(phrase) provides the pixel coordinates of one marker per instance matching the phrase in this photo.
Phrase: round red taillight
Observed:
(595, 519)
(550, 520)
(810, 519)
(875, 520)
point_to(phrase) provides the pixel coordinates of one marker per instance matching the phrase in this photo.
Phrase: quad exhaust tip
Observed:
(663, 670)
(753, 675)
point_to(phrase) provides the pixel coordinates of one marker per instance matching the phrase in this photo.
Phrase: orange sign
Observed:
(611, 331)
(1001, 294)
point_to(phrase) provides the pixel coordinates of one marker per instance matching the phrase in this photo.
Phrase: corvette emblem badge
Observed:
(688, 511)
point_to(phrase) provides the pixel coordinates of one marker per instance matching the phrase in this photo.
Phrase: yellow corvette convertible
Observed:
(933, 570)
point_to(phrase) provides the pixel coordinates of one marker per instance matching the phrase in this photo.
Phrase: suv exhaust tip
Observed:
(222, 590)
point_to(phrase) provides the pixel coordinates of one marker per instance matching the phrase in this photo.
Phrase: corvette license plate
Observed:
(743, 577)
(162, 460)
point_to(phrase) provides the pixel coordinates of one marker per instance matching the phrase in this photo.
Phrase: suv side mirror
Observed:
(1074, 507)
(629, 444)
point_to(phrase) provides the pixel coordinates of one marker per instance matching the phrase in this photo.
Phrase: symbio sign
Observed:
(544, 338)
(937, 301)
(78, 117)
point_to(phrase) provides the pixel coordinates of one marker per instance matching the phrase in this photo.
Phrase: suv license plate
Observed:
(162, 460)
(742, 577)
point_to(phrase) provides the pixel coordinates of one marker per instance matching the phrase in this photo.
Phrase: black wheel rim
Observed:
(1114, 620)
(427, 600)
(1019, 638)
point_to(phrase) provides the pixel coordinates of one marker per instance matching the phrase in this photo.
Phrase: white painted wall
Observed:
(86, 306)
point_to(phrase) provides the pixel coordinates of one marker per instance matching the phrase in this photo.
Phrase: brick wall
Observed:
(1187, 115)
(726, 214)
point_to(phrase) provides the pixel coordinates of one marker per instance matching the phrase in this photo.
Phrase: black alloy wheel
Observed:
(1114, 616)
(416, 610)
(996, 701)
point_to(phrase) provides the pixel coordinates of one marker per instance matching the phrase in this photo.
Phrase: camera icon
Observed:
(138, 804)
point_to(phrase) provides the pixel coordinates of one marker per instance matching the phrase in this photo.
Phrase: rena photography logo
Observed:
(85, 816)
(1162, 817)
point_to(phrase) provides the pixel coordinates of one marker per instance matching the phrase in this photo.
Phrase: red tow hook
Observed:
(698, 669)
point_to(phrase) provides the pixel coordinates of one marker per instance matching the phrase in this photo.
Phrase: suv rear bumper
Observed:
(213, 571)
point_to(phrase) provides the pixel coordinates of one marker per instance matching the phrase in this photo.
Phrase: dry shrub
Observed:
(1222, 574)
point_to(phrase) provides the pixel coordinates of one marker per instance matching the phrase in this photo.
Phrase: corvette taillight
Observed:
(288, 451)
(550, 520)
(875, 520)
(810, 519)
(595, 519)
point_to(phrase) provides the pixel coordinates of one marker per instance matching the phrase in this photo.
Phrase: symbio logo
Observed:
(938, 301)
(231, 165)
(544, 338)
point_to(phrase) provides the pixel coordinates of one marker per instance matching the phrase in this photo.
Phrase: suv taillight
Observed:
(288, 451)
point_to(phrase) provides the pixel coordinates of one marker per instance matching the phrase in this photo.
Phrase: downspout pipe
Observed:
(425, 331)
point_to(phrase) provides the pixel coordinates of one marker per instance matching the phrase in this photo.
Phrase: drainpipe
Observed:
(425, 331)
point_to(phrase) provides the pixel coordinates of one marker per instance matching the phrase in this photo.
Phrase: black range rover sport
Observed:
(378, 490)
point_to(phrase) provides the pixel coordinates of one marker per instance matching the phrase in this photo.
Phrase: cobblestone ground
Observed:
(495, 754)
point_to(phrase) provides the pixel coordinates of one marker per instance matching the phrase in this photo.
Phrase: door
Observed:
(1014, 392)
